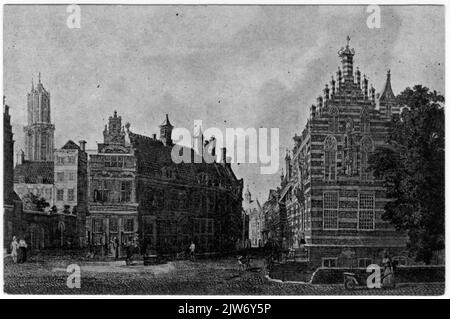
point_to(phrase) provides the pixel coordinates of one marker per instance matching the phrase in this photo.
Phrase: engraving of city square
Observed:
(223, 150)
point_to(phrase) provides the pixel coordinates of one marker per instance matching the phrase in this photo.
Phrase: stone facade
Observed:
(134, 181)
(112, 191)
(331, 200)
(71, 184)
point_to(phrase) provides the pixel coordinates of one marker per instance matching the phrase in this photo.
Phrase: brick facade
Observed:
(170, 204)
(332, 201)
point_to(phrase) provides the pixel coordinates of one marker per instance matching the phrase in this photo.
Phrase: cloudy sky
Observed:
(229, 66)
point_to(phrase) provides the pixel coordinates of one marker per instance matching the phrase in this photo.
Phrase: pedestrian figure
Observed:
(388, 271)
(192, 251)
(116, 248)
(128, 253)
(14, 249)
(23, 250)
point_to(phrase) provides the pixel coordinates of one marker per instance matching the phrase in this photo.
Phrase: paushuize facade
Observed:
(332, 202)
(136, 187)
(112, 191)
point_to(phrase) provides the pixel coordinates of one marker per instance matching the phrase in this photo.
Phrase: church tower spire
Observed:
(39, 131)
(165, 132)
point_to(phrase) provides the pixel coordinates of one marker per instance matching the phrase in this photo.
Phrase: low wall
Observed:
(301, 272)
(403, 274)
(291, 271)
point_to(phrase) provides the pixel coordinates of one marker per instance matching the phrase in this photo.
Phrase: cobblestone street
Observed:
(205, 277)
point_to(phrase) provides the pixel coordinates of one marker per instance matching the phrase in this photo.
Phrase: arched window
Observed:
(330, 150)
(365, 120)
(366, 150)
(334, 120)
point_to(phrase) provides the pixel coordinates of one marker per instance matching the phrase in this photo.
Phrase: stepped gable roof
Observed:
(154, 156)
(34, 172)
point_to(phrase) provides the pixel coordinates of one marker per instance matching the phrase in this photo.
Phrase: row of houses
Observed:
(128, 191)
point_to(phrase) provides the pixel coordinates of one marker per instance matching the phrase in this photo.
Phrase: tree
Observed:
(412, 165)
(36, 202)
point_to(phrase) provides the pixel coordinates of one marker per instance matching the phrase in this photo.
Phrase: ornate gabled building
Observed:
(137, 191)
(332, 201)
(112, 190)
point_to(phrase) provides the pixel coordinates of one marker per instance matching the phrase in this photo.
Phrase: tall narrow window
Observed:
(101, 192)
(71, 195)
(60, 194)
(125, 192)
(366, 215)
(330, 149)
(334, 120)
(330, 210)
(365, 120)
(366, 150)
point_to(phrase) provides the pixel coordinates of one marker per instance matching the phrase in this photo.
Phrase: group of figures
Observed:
(19, 250)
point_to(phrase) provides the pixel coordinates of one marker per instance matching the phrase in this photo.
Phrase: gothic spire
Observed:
(387, 94)
(166, 122)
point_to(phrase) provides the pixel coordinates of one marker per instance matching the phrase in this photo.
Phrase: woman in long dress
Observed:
(14, 249)
(388, 271)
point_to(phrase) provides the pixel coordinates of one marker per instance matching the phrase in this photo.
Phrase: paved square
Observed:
(48, 275)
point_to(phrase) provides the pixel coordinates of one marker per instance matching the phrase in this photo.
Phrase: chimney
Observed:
(154, 136)
(83, 145)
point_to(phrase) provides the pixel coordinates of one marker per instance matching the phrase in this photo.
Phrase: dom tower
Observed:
(39, 131)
